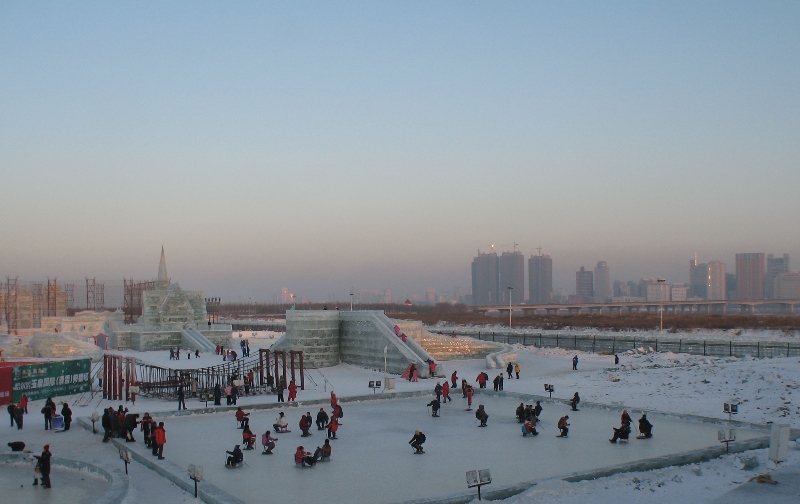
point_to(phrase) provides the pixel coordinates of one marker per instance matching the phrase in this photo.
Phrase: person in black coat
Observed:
(417, 441)
(66, 412)
(645, 428)
(44, 466)
(217, 395)
(47, 411)
(574, 402)
(435, 405)
(236, 456)
(322, 419)
(482, 415)
(181, 398)
(106, 423)
(131, 421)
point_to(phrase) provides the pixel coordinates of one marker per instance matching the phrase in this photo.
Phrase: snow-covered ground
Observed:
(376, 432)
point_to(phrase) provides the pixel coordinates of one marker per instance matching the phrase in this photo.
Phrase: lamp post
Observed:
(196, 474)
(509, 306)
(351, 299)
(125, 455)
(661, 299)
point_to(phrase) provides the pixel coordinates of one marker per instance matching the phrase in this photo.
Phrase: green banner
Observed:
(51, 379)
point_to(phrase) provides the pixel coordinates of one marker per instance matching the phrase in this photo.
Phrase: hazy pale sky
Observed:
(323, 145)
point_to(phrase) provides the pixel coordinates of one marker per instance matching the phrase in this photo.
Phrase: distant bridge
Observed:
(746, 306)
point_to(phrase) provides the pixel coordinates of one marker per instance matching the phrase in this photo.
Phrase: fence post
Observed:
(730, 347)
(656, 344)
(634, 342)
(556, 340)
(758, 349)
(680, 342)
(575, 344)
(540, 340)
(613, 344)
(704, 348)
(524, 340)
(594, 340)
(787, 349)
(493, 336)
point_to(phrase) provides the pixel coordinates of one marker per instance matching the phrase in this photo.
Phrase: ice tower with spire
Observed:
(172, 317)
(162, 282)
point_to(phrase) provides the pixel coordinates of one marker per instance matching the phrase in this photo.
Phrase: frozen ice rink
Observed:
(372, 460)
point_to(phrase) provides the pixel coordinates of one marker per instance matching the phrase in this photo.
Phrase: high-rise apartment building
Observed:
(787, 285)
(698, 279)
(486, 279)
(584, 285)
(730, 284)
(775, 266)
(602, 282)
(512, 274)
(540, 279)
(750, 275)
(717, 285)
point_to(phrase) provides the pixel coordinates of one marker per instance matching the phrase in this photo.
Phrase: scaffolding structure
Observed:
(12, 307)
(36, 304)
(69, 289)
(212, 309)
(52, 297)
(100, 296)
(132, 298)
(91, 299)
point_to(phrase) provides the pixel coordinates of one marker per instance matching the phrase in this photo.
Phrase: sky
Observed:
(326, 146)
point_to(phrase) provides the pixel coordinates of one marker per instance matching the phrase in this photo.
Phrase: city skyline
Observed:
(325, 146)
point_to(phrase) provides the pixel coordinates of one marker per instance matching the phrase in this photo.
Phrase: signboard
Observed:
(51, 379)
(779, 442)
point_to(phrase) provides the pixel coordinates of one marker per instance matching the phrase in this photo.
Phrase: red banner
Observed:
(6, 384)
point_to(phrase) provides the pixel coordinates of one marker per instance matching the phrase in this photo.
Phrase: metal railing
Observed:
(616, 344)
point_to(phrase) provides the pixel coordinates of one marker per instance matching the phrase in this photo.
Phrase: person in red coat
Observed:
(446, 392)
(470, 391)
(454, 379)
(242, 418)
(160, 438)
(333, 400)
(292, 391)
(305, 424)
(333, 426)
(301, 456)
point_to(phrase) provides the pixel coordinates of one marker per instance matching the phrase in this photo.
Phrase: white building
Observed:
(658, 292)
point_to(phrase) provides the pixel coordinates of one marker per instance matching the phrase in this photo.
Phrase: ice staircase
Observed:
(194, 340)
